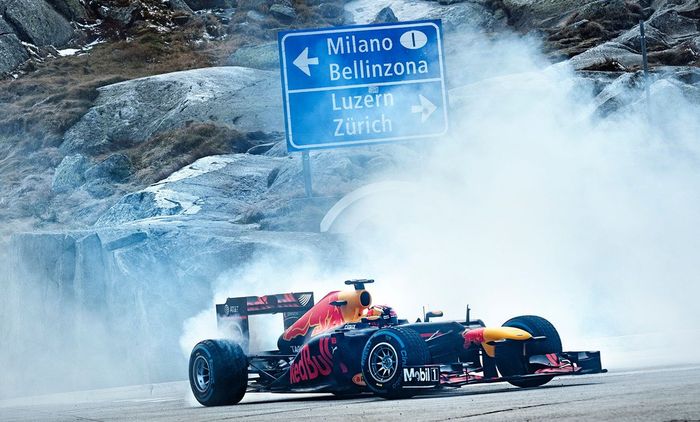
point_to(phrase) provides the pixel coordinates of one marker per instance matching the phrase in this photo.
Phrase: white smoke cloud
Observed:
(535, 204)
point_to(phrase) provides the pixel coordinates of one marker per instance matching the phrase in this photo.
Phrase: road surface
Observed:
(662, 394)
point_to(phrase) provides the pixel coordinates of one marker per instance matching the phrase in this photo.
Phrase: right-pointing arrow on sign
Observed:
(426, 108)
(303, 61)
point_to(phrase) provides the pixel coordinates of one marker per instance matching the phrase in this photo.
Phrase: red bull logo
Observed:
(309, 365)
(322, 317)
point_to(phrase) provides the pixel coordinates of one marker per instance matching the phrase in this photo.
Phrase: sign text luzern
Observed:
(363, 84)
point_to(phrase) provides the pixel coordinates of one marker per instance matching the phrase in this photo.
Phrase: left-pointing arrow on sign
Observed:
(303, 61)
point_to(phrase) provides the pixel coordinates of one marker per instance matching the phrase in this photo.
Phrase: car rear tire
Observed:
(218, 372)
(385, 355)
(509, 355)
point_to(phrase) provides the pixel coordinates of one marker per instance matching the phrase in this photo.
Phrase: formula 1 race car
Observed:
(344, 345)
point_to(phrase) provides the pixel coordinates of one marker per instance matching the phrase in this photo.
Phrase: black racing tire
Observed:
(218, 372)
(393, 342)
(509, 355)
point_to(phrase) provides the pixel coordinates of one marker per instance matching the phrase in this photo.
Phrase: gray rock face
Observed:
(626, 91)
(36, 22)
(131, 112)
(655, 39)
(114, 169)
(123, 15)
(611, 55)
(99, 188)
(215, 188)
(119, 298)
(263, 191)
(180, 6)
(70, 174)
(263, 56)
(669, 34)
(71, 9)
(12, 54)
(673, 24)
(386, 15)
(331, 11)
(283, 12)
(463, 15)
(210, 4)
(601, 30)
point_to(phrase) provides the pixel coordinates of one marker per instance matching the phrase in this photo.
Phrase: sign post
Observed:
(361, 85)
(306, 165)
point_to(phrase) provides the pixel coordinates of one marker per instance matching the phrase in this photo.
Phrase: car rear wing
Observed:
(232, 316)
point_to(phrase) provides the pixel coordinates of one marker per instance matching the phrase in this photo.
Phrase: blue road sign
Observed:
(364, 84)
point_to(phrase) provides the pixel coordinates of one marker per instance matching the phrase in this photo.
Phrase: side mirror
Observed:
(432, 314)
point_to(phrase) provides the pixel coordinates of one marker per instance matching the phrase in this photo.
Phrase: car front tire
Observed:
(509, 356)
(385, 355)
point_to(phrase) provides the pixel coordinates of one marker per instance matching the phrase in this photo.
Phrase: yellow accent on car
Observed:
(502, 333)
(353, 310)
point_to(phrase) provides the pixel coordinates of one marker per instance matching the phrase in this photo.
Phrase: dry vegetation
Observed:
(167, 152)
(41, 105)
(54, 93)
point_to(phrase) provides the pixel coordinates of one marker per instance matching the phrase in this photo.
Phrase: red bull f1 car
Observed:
(344, 345)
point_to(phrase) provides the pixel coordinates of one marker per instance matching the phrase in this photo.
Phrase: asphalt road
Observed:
(664, 394)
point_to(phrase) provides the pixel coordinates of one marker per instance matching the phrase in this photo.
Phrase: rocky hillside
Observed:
(142, 152)
(73, 141)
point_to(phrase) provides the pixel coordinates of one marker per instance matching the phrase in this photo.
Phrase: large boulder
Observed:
(666, 83)
(655, 39)
(283, 12)
(674, 24)
(534, 14)
(70, 174)
(210, 4)
(180, 6)
(386, 15)
(465, 15)
(131, 112)
(114, 169)
(71, 9)
(37, 22)
(122, 15)
(213, 188)
(12, 54)
(608, 56)
(265, 191)
(263, 56)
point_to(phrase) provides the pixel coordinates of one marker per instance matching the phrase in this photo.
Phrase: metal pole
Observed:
(645, 63)
(306, 162)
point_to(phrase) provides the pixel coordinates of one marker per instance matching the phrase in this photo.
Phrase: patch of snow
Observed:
(200, 167)
(168, 199)
(97, 23)
(68, 52)
(90, 45)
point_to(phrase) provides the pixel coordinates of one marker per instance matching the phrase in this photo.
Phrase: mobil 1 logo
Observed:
(359, 85)
(421, 376)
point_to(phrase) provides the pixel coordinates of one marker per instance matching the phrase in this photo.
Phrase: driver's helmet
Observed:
(381, 315)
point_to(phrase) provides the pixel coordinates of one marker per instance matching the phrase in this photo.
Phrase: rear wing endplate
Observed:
(232, 316)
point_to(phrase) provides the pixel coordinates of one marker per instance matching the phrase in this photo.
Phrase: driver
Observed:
(381, 315)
